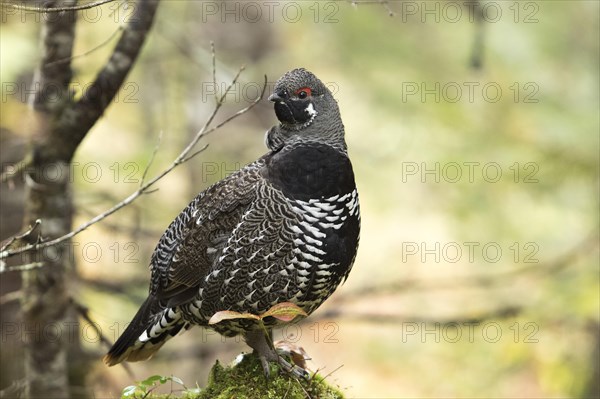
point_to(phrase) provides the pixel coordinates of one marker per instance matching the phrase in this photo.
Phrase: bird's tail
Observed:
(151, 327)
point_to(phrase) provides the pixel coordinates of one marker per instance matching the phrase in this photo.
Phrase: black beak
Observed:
(277, 97)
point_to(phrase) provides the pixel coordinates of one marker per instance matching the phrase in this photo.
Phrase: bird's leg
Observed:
(259, 341)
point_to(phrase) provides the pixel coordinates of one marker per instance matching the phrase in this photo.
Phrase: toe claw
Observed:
(267, 353)
(265, 365)
(294, 370)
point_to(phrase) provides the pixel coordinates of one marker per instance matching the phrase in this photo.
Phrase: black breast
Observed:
(310, 172)
(319, 182)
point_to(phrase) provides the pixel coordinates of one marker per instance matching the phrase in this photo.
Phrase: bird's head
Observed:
(306, 110)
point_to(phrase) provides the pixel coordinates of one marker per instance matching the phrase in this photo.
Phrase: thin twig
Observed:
(122, 227)
(308, 396)
(333, 371)
(385, 4)
(235, 79)
(99, 46)
(84, 312)
(15, 169)
(195, 153)
(122, 289)
(15, 389)
(11, 297)
(86, 53)
(19, 268)
(147, 168)
(57, 9)
(181, 158)
(214, 70)
(24, 234)
(478, 46)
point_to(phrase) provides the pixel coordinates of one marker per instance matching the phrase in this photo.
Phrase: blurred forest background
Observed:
(475, 144)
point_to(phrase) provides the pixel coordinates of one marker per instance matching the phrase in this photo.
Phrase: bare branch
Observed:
(240, 112)
(384, 3)
(234, 81)
(19, 268)
(26, 233)
(147, 168)
(11, 297)
(44, 10)
(90, 51)
(192, 155)
(121, 288)
(15, 389)
(15, 169)
(84, 312)
(76, 120)
(476, 58)
(203, 131)
(214, 70)
(144, 189)
(331, 372)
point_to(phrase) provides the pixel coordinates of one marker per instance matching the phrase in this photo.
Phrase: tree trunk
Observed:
(57, 127)
(47, 198)
(45, 296)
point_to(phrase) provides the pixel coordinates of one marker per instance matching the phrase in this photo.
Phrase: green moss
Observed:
(246, 380)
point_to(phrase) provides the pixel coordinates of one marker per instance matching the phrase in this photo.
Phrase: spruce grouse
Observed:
(285, 228)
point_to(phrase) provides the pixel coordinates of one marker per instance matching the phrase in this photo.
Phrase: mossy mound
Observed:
(246, 380)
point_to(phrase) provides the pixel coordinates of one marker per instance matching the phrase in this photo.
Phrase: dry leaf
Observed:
(230, 315)
(296, 353)
(285, 311)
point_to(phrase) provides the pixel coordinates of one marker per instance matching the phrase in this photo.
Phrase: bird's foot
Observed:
(266, 353)
(286, 366)
(292, 369)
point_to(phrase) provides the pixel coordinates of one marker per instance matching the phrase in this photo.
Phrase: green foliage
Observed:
(144, 388)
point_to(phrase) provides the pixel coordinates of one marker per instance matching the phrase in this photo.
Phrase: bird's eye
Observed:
(303, 92)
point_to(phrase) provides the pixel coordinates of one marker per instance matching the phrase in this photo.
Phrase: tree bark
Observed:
(57, 126)
(47, 197)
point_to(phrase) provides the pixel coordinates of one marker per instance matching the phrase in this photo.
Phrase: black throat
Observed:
(310, 171)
